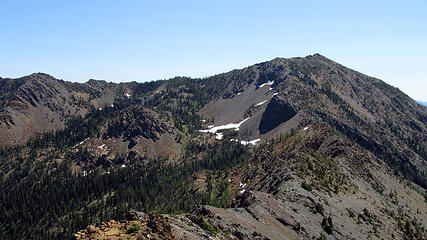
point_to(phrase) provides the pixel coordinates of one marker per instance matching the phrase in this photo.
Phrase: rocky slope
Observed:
(39, 103)
(296, 148)
(134, 135)
(288, 93)
(317, 184)
(313, 184)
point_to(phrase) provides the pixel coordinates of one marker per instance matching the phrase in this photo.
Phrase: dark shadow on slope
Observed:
(276, 112)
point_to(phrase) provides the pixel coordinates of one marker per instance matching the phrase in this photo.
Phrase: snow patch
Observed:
(127, 95)
(80, 143)
(99, 109)
(241, 192)
(85, 173)
(123, 166)
(219, 136)
(101, 147)
(260, 103)
(203, 120)
(238, 93)
(242, 185)
(253, 142)
(223, 127)
(267, 83)
(112, 105)
(274, 94)
(305, 129)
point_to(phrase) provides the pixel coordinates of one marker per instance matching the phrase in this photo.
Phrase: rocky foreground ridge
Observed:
(323, 187)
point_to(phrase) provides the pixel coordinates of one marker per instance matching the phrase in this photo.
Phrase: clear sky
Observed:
(150, 40)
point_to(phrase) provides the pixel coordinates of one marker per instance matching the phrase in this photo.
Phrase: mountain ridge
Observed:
(296, 78)
(335, 148)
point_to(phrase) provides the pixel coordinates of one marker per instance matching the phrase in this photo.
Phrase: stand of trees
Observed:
(43, 204)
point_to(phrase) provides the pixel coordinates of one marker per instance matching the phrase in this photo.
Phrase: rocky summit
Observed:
(297, 148)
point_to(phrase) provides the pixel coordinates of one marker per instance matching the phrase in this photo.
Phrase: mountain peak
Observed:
(40, 76)
(317, 55)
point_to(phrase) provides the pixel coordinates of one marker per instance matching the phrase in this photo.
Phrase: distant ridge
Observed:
(422, 103)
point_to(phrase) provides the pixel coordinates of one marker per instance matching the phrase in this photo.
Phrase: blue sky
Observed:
(149, 40)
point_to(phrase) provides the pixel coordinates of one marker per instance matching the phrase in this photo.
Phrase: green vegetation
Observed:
(34, 200)
(220, 196)
(418, 189)
(77, 128)
(133, 229)
(322, 172)
(351, 213)
(307, 186)
(42, 196)
(199, 220)
(322, 237)
(411, 227)
(327, 225)
(184, 97)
